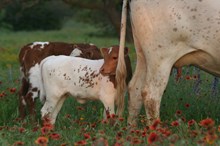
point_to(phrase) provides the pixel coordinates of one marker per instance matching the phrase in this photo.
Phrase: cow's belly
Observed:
(202, 60)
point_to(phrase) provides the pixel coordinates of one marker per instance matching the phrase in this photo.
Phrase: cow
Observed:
(82, 78)
(167, 33)
(30, 57)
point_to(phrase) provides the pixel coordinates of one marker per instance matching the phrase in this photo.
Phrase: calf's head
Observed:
(110, 56)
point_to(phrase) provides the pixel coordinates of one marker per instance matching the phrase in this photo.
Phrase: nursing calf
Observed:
(81, 78)
(30, 57)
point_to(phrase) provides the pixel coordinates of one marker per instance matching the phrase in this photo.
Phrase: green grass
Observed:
(75, 119)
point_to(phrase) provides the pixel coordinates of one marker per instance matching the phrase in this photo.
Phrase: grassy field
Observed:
(189, 110)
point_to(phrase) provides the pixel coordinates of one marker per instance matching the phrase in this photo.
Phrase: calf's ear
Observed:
(89, 55)
(104, 50)
(126, 50)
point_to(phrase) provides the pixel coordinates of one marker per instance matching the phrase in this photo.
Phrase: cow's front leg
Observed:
(154, 86)
(108, 102)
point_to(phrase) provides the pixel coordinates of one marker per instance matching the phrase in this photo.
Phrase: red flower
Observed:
(207, 122)
(191, 122)
(175, 123)
(79, 143)
(219, 128)
(55, 136)
(18, 143)
(155, 124)
(21, 130)
(42, 141)
(87, 136)
(188, 77)
(121, 119)
(12, 90)
(178, 112)
(187, 105)
(152, 138)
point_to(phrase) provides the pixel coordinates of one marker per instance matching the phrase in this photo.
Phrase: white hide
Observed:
(78, 77)
(165, 31)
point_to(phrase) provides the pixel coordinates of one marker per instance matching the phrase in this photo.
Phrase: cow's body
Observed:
(30, 57)
(79, 77)
(168, 33)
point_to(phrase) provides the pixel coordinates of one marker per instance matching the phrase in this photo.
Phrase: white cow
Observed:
(65, 75)
(169, 33)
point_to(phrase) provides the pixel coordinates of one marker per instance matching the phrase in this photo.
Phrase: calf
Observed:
(78, 77)
(30, 57)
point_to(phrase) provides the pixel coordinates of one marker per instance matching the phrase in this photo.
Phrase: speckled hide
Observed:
(79, 77)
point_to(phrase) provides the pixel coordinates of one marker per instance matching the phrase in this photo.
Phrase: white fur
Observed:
(39, 43)
(76, 52)
(164, 31)
(78, 77)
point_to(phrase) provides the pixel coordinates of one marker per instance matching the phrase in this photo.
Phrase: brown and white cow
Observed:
(80, 78)
(30, 57)
(168, 33)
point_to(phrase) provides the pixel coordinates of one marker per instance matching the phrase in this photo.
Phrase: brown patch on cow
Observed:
(175, 29)
(144, 94)
(113, 80)
(35, 89)
(151, 105)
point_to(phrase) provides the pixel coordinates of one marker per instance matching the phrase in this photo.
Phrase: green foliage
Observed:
(40, 16)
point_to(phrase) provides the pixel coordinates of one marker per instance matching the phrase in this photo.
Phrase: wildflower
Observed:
(136, 141)
(207, 123)
(80, 143)
(12, 90)
(144, 134)
(35, 129)
(187, 77)
(191, 122)
(210, 138)
(21, 130)
(219, 128)
(175, 123)
(18, 143)
(152, 138)
(55, 136)
(121, 119)
(87, 136)
(155, 124)
(80, 108)
(178, 112)
(187, 105)
(45, 130)
(68, 116)
(42, 141)
(183, 119)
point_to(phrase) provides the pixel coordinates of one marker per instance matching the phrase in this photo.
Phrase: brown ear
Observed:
(104, 50)
(126, 51)
(89, 54)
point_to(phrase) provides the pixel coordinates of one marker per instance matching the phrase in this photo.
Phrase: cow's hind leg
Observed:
(155, 83)
(48, 109)
(22, 93)
(57, 109)
(135, 100)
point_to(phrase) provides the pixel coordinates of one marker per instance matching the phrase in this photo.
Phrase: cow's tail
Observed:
(121, 67)
(42, 89)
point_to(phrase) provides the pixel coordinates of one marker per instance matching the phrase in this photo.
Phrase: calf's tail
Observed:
(121, 67)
